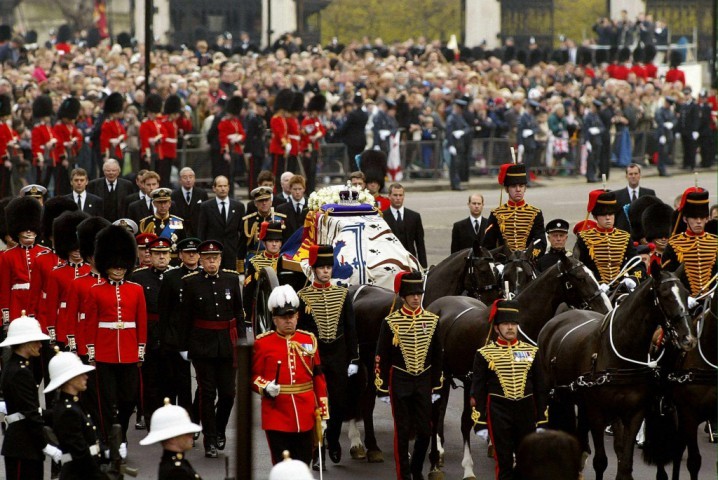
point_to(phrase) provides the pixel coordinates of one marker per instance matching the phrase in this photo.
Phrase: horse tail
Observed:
(661, 432)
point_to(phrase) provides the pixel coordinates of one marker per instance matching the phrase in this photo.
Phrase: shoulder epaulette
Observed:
(189, 275)
(176, 217)
(265, 334)
(314, 339)
(139, 269)
(227, 270)
(253, 214)
(278, 214)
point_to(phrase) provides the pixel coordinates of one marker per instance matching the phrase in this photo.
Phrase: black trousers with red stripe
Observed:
(298, 444)
(23, 469)
(509, 422)
(118, 386)
(411, 407)
(216, 378)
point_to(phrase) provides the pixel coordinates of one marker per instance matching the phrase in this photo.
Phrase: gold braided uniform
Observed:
(518, 226)
(249, 243)
(256, 264)
(605, 252)
(698, 254)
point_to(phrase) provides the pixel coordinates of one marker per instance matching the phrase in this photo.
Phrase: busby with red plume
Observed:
(602, 202)
(321, 256)
(512, 174)
(64, 233)
(694, 203)
(408, 283)
(503, 311)
(115, 247)
(271, 231)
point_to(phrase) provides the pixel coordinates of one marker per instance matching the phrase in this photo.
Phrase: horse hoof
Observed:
(358, 452)
(375, 456)
(490, 451)
(440, 463)
(436, 475)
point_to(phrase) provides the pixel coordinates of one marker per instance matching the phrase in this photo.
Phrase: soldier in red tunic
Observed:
(286, 371)
(9, 145)
(280, 146)
(312, 131)
(293, 133)
(150, 132)
(231, 138)
(170, 133)
(43, 139)
(112, 133)
(69, 141)
(116, 328)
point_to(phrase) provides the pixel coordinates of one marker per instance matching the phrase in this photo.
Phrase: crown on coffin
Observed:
(348, 195)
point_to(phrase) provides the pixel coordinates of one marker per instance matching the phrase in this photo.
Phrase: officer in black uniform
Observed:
(24, 443)
(151, 279)
(409, 369)
(515, 224)
(212, 321)
(507, 391)
(172, 426)
(325, 311)
(176, 381)
(162, 223)
(271, 234)
(249, 243)
(557, 232)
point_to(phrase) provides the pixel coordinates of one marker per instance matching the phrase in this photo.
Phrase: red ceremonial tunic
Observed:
(7, 135)
(169, 139)
(293, 134)
(278, 126)
(651, 70)
(66, 132)
(227, 127)
(310, 127)
(675, 75)
(640, 71)
(112, 129)
(74, 315)
(17, 268)
(149, 129)
(116, 321)
(61, 277)
(41, 135)
(299, 372)
(44, 264)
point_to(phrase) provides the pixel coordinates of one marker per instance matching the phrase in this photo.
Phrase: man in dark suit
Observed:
(187, 199)
(296, 208)
(111, 189)
(87, 202)
(220, 219)
(139, 209)
(352, 132)
(629, 194)
(689, 121)
(405, 224)
(137, 194)
(465, 232)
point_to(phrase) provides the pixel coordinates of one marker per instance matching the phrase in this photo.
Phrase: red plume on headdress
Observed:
(502, 172)
(652, 247)
(494, 309)
(313, 253)
(397, 281)
(685, 196)
(593, 198)
(263, 230)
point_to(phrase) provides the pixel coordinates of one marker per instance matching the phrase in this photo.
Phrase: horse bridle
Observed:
(564, 278)
(670, 320)
(521, 261)
(476, 290)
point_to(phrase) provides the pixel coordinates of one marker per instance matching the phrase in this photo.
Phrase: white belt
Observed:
(15, 417)
(94, 450)
(117, 325)
(21, 286)
(294, 137)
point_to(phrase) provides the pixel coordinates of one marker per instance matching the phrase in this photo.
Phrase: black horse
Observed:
(518, 271)
(464, 328)
(599, 363)
(476, 276)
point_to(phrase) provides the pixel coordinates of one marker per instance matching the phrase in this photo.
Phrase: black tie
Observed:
(398, 215)
(79, 202)
(633, 195)
(223, 212)
(476, 226)
(188, 198)
(299, 208)
(112, 187)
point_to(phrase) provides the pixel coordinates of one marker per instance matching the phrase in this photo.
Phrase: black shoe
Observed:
(196, 436)
(458, 189)
(335, 454)
(221, 441)
(210, 451)
(315, 461)
(141, 425)
(664, 175)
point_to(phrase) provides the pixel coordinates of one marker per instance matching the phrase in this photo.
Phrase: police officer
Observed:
(457, 133)
(506, 391)
(271, 234)
(326, 311)
(592, 132)
(150, 278)
(695, 248)
(527, 130)
(249, 242)
(162, 223)
(176, 382)
(287, 372)
(24, 443)
(557, 232)
(516, 224)
(212, 321)
(665, 131)
(409, 369)
(606, 249)
(172, 426)
(73, 426)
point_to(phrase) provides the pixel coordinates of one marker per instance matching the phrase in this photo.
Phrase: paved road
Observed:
(562, 197)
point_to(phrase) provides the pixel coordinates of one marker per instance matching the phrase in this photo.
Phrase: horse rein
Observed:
(567, 285)
(476, 290)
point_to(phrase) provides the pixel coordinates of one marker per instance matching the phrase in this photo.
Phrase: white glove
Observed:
(594, 130)
(272, 389)
(527, 132)
(692, 303)
(603, 287)
(629, 283)
(458, 134)
(122, 450)
(589, 148)
(386, 399)
(668, 125)
(435, 397)
(324, 425)
(540, 430)
(662, 140)
(287, 148)
(3, 408)
(483, 434)
(352, 369)
(500, 268)
(241, 278)
(452, 150)
(53, 452)
(694, 135)
(185, 356)
(384, 133)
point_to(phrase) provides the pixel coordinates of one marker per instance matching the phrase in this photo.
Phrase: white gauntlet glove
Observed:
(668, 125)
(458, 134)
(662, 139)
(629, 283)
(435, 397)
(386, 399)
(287, 148)
(588, 147)
(185, 356)
(594, 130)
(527, 132)
(483, 434)
(383, 134)
(272, 389)
(53, 452)
(692, 303)
(604, 288)
(3, 408)
(695, 135)
(452, 150)
(352, 369)
(122, 450)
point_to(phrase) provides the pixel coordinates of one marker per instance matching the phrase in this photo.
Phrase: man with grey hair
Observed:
(187, 199)
(111, 188)
(286, 193)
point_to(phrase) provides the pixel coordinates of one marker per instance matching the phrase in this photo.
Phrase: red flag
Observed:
(99, 15)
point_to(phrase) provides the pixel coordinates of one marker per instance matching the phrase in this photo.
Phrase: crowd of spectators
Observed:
(423, 78)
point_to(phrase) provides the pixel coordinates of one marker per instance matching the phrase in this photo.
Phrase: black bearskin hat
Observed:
(86, 232)
(23, 213)
(373, 164)
(124, 40)
(114, 103)
(114, 247)
(283, 100)
(42, 107)
(69, 108)
(318, 103)
(5, 105)
(650, 53)
(93, 37)
(639, 55)
(173, 104)
(64, 34)
(234, 106)
(297, 104)
(624, 54)
(53, 208)
(153, 103)
(676, 58)
(656, 221)
(64, 233)
(635, 214)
